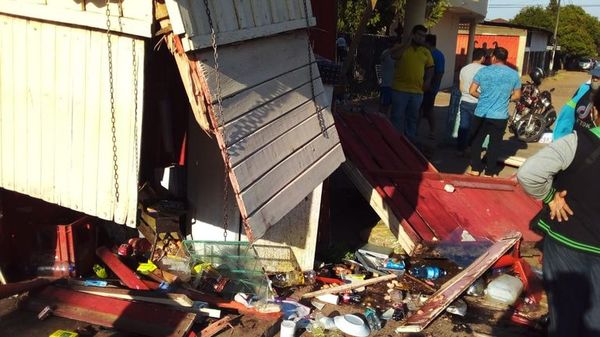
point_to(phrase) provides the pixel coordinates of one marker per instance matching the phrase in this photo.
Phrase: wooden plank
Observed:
(19, 81)
(224, 15)
(281, 174)
(176, 300)
(190, 77)
(77, 17)
(145, 319)
(48, 118)
(260, 95)
(383, 207)
(175, 15)
(246, 142)
(279, 12)
(6, 103)
(257, 164)
(353, 285)
(277, 56)
(243, 8)
(97, 64)
(34, 108)
(204, 41)
(64, 4)
(258, 222)
(457, 285)
(298, 230)
(79, 65)
(295, 9)
(261, 12)
(128, 277)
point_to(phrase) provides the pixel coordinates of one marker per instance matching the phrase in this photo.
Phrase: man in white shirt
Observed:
(468, 103)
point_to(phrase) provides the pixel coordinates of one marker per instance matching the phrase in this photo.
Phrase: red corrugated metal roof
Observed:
(484, 207)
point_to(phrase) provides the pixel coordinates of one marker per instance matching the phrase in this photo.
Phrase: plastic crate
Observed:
(245, 265)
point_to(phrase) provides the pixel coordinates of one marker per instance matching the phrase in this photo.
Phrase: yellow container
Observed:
(64, 333)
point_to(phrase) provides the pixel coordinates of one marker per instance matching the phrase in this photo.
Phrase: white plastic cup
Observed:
(288, 328)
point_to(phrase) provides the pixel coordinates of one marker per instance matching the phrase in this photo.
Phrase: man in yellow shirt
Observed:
(412, 76)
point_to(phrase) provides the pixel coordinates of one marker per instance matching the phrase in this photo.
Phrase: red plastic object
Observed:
(125, 250)
(128, 277)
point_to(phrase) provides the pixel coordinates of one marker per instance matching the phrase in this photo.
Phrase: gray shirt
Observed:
(387, 68)
(466, 78)
(537, 173)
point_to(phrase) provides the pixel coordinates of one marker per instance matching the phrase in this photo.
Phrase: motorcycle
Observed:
(534, 113)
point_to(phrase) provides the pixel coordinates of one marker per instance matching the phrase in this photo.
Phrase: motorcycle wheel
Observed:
(531, 128)
(550, 117)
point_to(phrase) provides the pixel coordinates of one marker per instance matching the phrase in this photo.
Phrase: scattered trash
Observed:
(45, 313)
(449, 188)
(372, 319)
(477, 288)
(352, 325)
(287, 329)
(458, 307)
(427, 272)
(504, 289)
(64, 333)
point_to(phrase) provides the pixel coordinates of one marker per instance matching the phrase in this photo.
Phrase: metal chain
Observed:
(113, 119)
(220, 119)
(318, 110)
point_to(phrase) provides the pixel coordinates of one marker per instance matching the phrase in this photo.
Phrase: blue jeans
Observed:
(572, 282)
(467, 111)
(405, 113)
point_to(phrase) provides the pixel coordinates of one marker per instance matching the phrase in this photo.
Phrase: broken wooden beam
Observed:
(452, 289)
(10, 289)
(146, 319)
(214, 328)
(137, 295)
(126, 275)
(350, 286)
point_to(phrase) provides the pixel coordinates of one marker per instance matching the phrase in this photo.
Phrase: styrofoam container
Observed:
(504, 289)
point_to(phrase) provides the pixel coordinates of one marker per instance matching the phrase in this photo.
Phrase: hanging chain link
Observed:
(113, 119)
(318, 109)
(220, 120)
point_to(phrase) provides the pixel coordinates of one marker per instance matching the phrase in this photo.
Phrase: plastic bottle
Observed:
(372, 319)
(427, 272)
(58, 268)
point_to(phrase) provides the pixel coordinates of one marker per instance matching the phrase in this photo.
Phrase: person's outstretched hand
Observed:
(559, 208)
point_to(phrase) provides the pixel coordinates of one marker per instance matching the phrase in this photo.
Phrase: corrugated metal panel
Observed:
(236, 20)
(55, 116)
(276, 126)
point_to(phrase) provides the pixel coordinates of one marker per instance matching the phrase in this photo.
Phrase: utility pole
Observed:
(554, 38)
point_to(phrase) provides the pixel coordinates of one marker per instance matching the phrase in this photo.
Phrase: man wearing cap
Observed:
(577, 112)
(565, 176)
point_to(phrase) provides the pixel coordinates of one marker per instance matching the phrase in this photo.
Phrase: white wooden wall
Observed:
(281, 141)
(55, 120)
(133, 17)
(236, 20)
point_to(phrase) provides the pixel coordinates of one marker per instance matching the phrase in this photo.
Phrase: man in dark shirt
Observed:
(565, 176)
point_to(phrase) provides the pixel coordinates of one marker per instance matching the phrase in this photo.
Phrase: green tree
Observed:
(534, 16)
(386, 11)
(578, 32)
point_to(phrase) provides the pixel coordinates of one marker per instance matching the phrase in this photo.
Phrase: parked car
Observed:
(586, 63)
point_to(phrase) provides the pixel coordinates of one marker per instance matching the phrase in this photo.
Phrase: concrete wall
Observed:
(447, 31)
(506, 31)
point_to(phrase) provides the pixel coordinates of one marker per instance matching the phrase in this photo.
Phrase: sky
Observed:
(507, 9)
